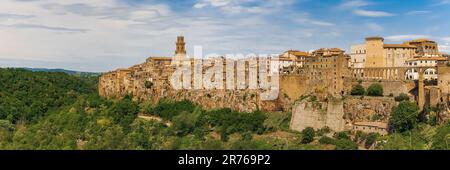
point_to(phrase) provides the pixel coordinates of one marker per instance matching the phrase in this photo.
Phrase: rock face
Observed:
(318, 115)
(337, 114)
(366, 109)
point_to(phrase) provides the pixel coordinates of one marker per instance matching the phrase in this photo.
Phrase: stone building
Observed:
(371, 127)
(154, 79)
(444, 83)
(327, 68)
(295, 57)
(429, 74)
(425, 48)
(324, 73)
(375, 53)
(358, 56)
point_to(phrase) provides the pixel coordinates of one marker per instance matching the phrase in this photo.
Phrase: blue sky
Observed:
(102, 35)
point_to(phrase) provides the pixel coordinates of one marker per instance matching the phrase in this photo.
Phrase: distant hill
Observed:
(70, 72)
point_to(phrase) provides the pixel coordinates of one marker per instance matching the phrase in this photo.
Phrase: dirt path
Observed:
(154, 118)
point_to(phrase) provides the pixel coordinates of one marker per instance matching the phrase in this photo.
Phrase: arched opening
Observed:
(411, 74)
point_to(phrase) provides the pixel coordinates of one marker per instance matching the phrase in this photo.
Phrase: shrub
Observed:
(186, 123)
(402, 97)
(312, 98)
(360, 136)
(168, 109)
(370, 140)
(124, 111)
(308, 135)
(326, 140)
(323, 131)
(345, 144)
(375, 90)
(250, 145)
(404, 117)
(358, 90)
(246, 136)
(231, 121)
(376, 117)
(342, 135)
(148, 84)
(441, 140)
(277, 121)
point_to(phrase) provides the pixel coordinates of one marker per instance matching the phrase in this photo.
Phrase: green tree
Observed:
(124, 112)
(370, 140)
(402, 97)
(375, 90)
(345, 144)
(308, 135)
(148, 84)
(441, 140)
(342, 135)
(358, 90)
(404, 117)
(326, 140)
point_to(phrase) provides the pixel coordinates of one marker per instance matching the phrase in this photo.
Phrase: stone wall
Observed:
(318, 115)
(293, 86)
(394, 87)
(337, 113)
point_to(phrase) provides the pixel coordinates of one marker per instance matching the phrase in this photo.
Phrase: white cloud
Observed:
(200, 5)
(244, 6)
(354, 3)
(444, 48)
(447, 39)
(304, 19)
(441, 2)
(406, 37)
(418, 12)
(375, 27)
(367, 13)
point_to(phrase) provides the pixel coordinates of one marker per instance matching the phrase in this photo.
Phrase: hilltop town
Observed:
(319, 88)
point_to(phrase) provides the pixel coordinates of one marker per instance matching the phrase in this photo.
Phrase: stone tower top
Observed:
(377, 38)
(180, 46)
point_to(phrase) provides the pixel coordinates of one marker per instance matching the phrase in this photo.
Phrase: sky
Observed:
(103, 35)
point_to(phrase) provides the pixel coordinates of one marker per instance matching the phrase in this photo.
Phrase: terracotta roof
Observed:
(398, 46)
(428, 58)
(328, 50)
(372, 124)
(419, 40)
(298, 53)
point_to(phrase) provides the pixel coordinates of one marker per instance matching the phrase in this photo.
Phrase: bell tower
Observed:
(180, 52)
(180, 46)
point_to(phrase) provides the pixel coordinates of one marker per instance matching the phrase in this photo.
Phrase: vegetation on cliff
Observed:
(52, 110)
(375, 89)
(43, 110)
